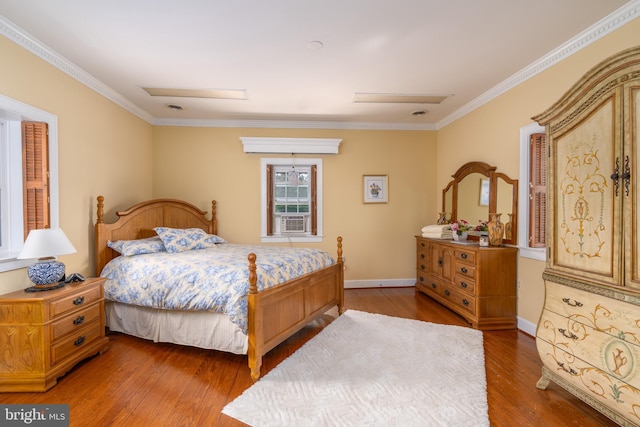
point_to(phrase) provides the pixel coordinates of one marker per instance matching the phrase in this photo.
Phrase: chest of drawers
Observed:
(44, 334)
(479, 283)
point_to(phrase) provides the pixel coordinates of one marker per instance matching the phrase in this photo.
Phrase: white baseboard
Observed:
(527, 327)
(523, 324)
(385, 283)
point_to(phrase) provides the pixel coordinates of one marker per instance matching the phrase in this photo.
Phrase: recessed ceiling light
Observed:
(315, 45)
(398, 98)
(198, 93)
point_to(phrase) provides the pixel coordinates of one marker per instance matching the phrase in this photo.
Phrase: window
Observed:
(13, 226)
(291, 200)
(532, 197)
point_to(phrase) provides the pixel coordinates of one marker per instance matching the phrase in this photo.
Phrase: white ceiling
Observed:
(468, 49)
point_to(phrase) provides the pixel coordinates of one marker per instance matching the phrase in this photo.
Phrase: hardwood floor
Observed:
(141, 383)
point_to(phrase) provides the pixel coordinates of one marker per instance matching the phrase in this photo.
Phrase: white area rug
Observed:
(372, 370)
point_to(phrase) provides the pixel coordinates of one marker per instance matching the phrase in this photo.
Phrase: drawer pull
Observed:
(440, 262)
(79, 341)
(568, 334)
(573, 303)
(446, 292)
(465, 302)
(463, 269)
(433, 285)
(422, 267)
(464, 284)
(421, 279)
(78, 301)
(79, 320)
(422, 256)
(422, 244)
(463, 256)
(569, 370)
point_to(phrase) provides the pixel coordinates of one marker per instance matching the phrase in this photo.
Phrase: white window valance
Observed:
(291, 145)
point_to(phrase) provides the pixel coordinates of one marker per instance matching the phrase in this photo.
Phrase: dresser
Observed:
(479, 283)
(44, 334)
(588, 336)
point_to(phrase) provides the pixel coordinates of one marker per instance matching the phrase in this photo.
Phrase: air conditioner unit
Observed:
(292, 224)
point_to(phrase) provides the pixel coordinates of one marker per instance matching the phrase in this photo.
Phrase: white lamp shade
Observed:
(46, 242)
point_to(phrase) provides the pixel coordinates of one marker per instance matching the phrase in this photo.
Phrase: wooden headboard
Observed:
(138, 222)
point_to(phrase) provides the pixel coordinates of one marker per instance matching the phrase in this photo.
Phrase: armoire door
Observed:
(585, 201)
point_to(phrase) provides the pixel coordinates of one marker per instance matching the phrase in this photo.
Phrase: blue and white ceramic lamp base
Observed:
(46, 272)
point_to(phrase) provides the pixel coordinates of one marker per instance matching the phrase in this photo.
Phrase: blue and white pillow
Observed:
(150, 245)
(186, 239)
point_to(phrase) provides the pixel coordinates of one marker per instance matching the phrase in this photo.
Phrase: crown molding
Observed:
(610, 23)
(603, 27)
(44, 52)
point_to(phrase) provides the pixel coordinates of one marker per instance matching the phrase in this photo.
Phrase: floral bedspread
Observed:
(206, 279)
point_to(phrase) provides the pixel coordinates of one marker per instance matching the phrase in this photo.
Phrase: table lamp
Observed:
(45, 244)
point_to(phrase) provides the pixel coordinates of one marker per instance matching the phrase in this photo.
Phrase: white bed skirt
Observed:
(203, 329)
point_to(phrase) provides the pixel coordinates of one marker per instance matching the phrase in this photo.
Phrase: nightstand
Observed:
(45, 334)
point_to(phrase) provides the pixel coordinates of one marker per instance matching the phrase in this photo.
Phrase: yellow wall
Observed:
(492, 134)
(102, 149)
(106, 150)
(200, 164)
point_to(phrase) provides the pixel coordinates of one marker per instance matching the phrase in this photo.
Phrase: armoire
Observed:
(588, 336)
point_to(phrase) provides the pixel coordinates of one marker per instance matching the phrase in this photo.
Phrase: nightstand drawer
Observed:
(76, 301)
(74, 322)
(75, 342)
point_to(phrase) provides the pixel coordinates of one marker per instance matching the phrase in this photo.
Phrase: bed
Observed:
(273, 312)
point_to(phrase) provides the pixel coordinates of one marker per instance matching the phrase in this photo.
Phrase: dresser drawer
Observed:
(592, 309)
(83, 298)
(466, 270)
(465, 284)
(422, 260)
(608, 390)
(610, 353)
(465, 302)
(434, 285)
(67, 347)
(74, 321)
(465, 256)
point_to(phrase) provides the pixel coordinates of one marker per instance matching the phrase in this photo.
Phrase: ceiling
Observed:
(303, 60)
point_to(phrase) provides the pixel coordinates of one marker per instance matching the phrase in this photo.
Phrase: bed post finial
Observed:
(339, 248)
(214, 220)
(253, 277)
(100, 212)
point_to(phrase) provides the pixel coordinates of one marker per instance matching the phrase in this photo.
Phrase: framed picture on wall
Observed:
(376, 188)
(484, 192)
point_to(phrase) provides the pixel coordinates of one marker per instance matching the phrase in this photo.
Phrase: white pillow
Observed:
(180, 240)
(149, 245)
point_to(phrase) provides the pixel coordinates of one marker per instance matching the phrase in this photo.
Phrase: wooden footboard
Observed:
(278, 312)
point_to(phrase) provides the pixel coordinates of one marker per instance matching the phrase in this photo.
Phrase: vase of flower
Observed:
(496, 229)
(460, 230)
(460, 236)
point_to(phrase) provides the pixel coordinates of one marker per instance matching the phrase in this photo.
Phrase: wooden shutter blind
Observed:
(314, 198)
(537, 190)
(269, 206)
(35, 176)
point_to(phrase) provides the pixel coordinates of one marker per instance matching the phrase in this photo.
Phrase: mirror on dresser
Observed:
(478, 189)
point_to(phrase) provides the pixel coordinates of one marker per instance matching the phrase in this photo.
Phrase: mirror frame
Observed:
(490, 172)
